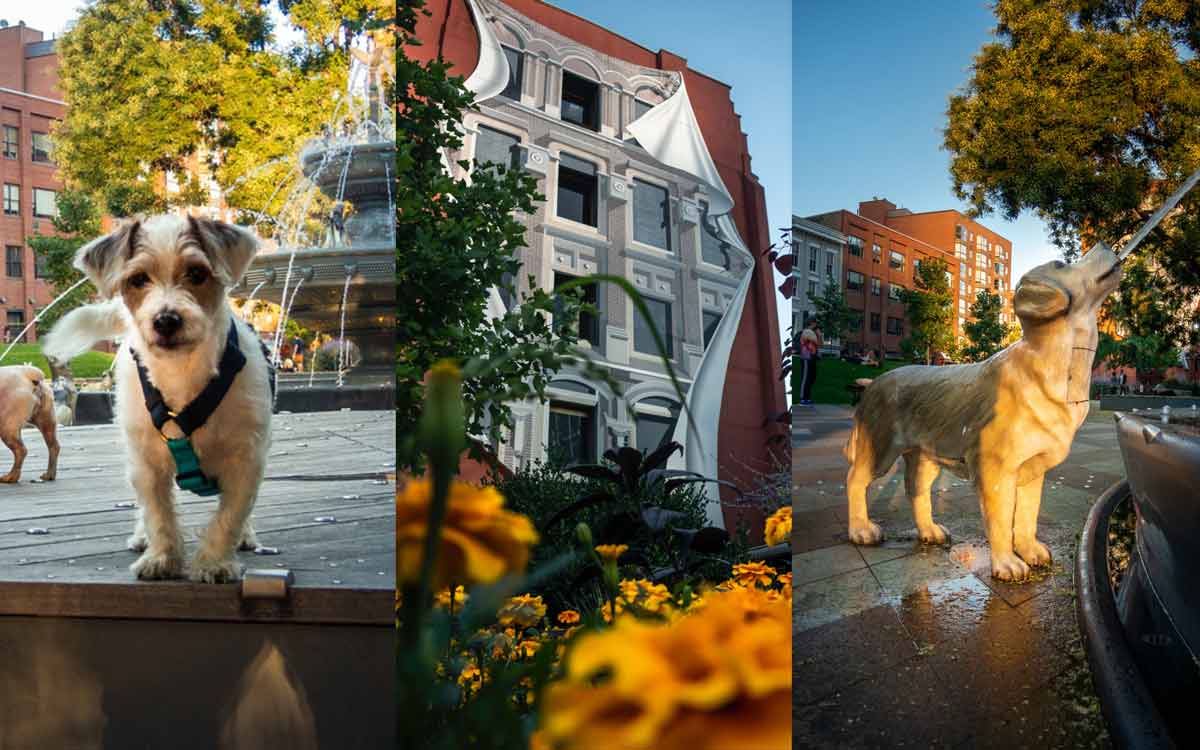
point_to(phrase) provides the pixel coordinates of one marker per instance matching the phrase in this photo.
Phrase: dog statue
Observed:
(1001, 423)
(26, 398)
(193, 390)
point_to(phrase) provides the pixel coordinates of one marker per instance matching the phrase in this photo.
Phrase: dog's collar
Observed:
(193, 416)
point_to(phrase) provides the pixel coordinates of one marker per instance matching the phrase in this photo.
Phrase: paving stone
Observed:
(830, 599)
(823, 563)
(834, 656)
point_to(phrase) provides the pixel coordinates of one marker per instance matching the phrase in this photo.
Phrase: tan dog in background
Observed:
(26, 398)
(1001, 423)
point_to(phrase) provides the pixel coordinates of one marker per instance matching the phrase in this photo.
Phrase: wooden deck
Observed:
(324, 465)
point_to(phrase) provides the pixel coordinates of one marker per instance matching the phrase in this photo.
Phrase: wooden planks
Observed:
(322, 465)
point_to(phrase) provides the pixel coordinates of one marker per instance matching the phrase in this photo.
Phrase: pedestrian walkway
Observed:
(907, 645)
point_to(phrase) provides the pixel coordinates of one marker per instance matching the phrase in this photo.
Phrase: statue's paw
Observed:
(865, 532)
(1009, 567)
(936, 534)
(1034, 552)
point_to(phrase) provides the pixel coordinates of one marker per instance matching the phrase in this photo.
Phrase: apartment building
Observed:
(818, 264)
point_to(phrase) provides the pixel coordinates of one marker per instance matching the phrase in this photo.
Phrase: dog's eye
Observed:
(1059, 264)
(197, 275)
(139, 280)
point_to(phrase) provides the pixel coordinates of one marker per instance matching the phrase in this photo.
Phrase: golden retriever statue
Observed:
(1001, 423)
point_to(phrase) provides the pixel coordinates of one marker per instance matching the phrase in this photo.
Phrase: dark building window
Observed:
(711, 321)
(895, 326)
(16, 322)
(41, 147)
(643, 339)
(12, 141)
(580, 101)
(856, 321)
(496, 147)
(874, 287)
(713, 249)
(854, 281)
(12, 261)
(875, 322)
(640, 108)
(39, 265)
(516, 67)
(651, 214)
(855, 245)
(894, 291)
(44, 203)
(589, 325)
(12, 199)
(652, 430)
(896, 261)
(577, 190)
(876, 253)
(571, 439)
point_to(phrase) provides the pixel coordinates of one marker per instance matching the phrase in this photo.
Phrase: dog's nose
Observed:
(166, 323)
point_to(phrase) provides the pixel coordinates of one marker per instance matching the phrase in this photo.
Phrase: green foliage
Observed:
(930, 312)
(77, 222)
(1147, 311)
(833, 375)
(985, 333)
(86, 365)
(1079, 111)
(832, 312)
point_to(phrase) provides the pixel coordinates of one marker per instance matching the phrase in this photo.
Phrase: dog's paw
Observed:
(155, 566)
(1035, 553)
(249, 540)
(1009, 568)
(865, 533)
(210, 570)
(936, 534)
(10, 478)
(137, 543)
(47, 477)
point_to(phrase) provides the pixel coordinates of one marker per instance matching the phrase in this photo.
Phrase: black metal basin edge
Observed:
(1133, 720)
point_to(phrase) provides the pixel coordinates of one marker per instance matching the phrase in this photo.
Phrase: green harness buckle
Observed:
(187, 466)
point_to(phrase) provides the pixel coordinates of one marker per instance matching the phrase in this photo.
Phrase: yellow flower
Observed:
(779, 526)
(649, 596)
(442, 598)
(523, 611)
(528, 648)
(480, 541)
(471, 678)
(785, 581)
(606, 609)
(751, 573)
(568, 617)
(610, 552)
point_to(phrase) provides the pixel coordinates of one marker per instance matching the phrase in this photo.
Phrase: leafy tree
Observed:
(985, 333)
(77, 222)
(930, 312)
(1147, 340)
(463, 236)
(1079, 111)
(832, 312)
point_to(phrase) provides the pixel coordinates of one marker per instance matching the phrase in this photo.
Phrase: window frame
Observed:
(666, 331)
(591, 117)
(516, 77)
(12, 260)
(594, 187)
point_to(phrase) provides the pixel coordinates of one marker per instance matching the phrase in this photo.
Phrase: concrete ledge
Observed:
(1129, 403)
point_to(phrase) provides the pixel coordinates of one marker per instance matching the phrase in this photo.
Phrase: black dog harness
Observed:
(192, 417)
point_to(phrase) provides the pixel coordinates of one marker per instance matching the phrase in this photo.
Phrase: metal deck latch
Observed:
(267, 584)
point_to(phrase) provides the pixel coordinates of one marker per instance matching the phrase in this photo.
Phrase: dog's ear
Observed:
(101, 259)
(229, 248)
(1039, 297)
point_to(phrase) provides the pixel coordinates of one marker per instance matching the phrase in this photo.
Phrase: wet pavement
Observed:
(904, 645)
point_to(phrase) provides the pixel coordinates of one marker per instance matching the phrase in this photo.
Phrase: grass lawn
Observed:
(833, 375)
(86, 365)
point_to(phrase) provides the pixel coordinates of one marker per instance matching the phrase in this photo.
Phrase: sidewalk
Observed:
(908, 646)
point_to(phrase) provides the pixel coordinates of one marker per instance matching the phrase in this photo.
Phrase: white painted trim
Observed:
(26, 94)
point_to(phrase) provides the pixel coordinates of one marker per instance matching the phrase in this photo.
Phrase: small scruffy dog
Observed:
(164, 280)
(26, 398)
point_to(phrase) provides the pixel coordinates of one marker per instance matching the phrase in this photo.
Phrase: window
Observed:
(962, 287)
(876, 253)
(44, 203)
(895, 326)
(828, 265)
(12, 261)
(643, 339)
(856, 321)
(12, 142)
(580, 101)
(589, 326)
(981, 277)
(713, 249)
(960, 232)
(896, 261)
(654, 429)
(916, 266)
(854, 281)
(571, 439)
(516, 65)
(894, 291)
(651, 215)
(856, 245)
(640, 108)
(41, 147)
(812, 258)
(39, 265)
(960, 250)
(875, 322)
(962, 269)
(874, 287)
(710, 320)
(16, 322)
(495, 147)
(12, 199)
(577, 190)
(812, 289)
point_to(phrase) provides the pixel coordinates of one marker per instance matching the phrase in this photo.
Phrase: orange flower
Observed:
(480, 541)
(523, 611)
(610, 552)
(442, 598)
(751, 573)
(568, 617)
(779, 526)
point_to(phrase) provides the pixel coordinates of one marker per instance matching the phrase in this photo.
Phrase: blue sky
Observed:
(872, 83)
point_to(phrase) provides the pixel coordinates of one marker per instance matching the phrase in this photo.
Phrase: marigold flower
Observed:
(442, 598)
(785, 581)
(528, 648)
(480, 541)
(751, 573)
(610, 552)
(568, 617)
(522, 611)
(779, 526)
(645, 594)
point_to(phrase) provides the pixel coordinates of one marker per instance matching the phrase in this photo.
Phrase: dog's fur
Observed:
(26, 398)
(171, 264)
(1002, 423)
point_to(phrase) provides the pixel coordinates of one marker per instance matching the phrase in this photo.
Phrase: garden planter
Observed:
(1142, 640)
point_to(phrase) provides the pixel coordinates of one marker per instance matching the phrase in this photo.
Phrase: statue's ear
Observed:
(102, 259)
(1038, 297)
(229, 248)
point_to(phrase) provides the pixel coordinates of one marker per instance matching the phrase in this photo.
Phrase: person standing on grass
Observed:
(810, 345)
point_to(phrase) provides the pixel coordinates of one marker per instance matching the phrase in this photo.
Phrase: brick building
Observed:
(30, 104)
(819, 253)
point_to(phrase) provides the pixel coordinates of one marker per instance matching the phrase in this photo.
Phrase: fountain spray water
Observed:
(38, 317)
(350, 269)
(248, 307)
